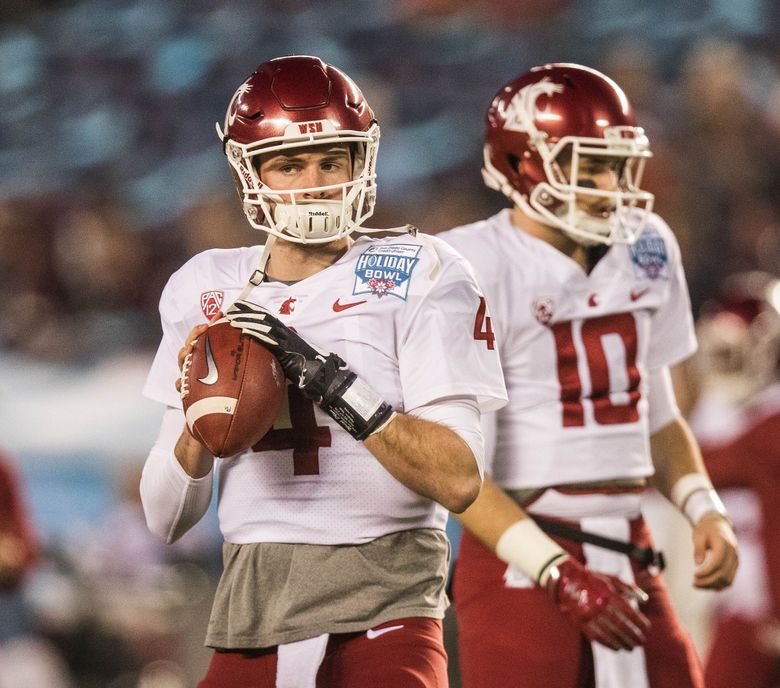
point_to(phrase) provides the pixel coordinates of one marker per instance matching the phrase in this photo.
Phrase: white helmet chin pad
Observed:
(309, 220)
(603, 227)
(585, 228)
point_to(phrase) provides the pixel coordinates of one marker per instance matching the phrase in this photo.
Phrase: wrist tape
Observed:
(355, 406)
(695, 496)
(526, 546)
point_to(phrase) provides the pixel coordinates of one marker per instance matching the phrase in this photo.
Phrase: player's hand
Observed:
(186, 351)
(321, 376)
(303, 364)
(714, 552)
(599, 605)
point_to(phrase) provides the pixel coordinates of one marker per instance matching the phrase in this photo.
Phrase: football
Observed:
(232, 389)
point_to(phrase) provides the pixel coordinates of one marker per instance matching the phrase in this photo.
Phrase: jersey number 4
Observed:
(482, 327)
(610, 346)
(296, 428)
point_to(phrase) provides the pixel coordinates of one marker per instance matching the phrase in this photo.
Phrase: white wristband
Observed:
(694, 495)
(703, 502)
(526, 546)
(687, 485)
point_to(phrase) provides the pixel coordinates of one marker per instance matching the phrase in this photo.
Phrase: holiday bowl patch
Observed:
(649, 256)
(385, 269)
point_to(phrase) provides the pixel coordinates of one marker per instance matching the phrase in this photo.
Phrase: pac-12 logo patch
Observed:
(211, 302)
(649, 256)
(385, 269)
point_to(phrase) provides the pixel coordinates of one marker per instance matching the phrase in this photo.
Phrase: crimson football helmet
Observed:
(558, 113)
(739, 336)
(290, 102)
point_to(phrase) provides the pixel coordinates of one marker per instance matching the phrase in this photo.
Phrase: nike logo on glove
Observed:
(636, 295)
(338, 307)
(371, 633)
(213, 374)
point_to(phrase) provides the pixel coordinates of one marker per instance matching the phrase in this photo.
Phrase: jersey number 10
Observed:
(600, 364)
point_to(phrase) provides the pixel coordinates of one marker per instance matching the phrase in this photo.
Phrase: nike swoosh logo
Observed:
(371, 633)
(636, 295)
(213, 374)
(338, 307)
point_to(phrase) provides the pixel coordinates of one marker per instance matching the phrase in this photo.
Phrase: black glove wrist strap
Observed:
(354, 405)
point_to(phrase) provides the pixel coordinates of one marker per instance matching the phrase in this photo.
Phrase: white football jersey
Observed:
(576, 349)
(401, 312)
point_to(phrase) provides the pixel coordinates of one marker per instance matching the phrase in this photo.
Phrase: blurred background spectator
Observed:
(18, 545)
(111, 176)
(26, 657)
(736, 416)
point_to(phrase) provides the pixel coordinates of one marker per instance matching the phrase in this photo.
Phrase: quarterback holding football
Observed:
(335, 553)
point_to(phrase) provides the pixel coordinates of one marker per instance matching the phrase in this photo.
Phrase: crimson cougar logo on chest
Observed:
(288, 306)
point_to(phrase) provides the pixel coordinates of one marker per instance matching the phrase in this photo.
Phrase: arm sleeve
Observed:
(462, 416)
(662, 404)
(489, 423)
(173, 501)
(446, 349)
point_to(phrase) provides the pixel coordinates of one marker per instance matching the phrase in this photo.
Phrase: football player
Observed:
(335, 553)
(737, 420)
(557, 583)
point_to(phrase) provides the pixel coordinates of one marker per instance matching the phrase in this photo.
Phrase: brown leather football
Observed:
(232, 390)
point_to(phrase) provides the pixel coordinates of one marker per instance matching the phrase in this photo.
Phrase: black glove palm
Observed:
(321, 376)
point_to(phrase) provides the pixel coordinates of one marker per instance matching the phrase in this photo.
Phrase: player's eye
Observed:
(600, 166)
(332, 165)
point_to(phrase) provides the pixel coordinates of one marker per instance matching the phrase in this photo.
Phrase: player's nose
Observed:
(314, 178)
(606, 181)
